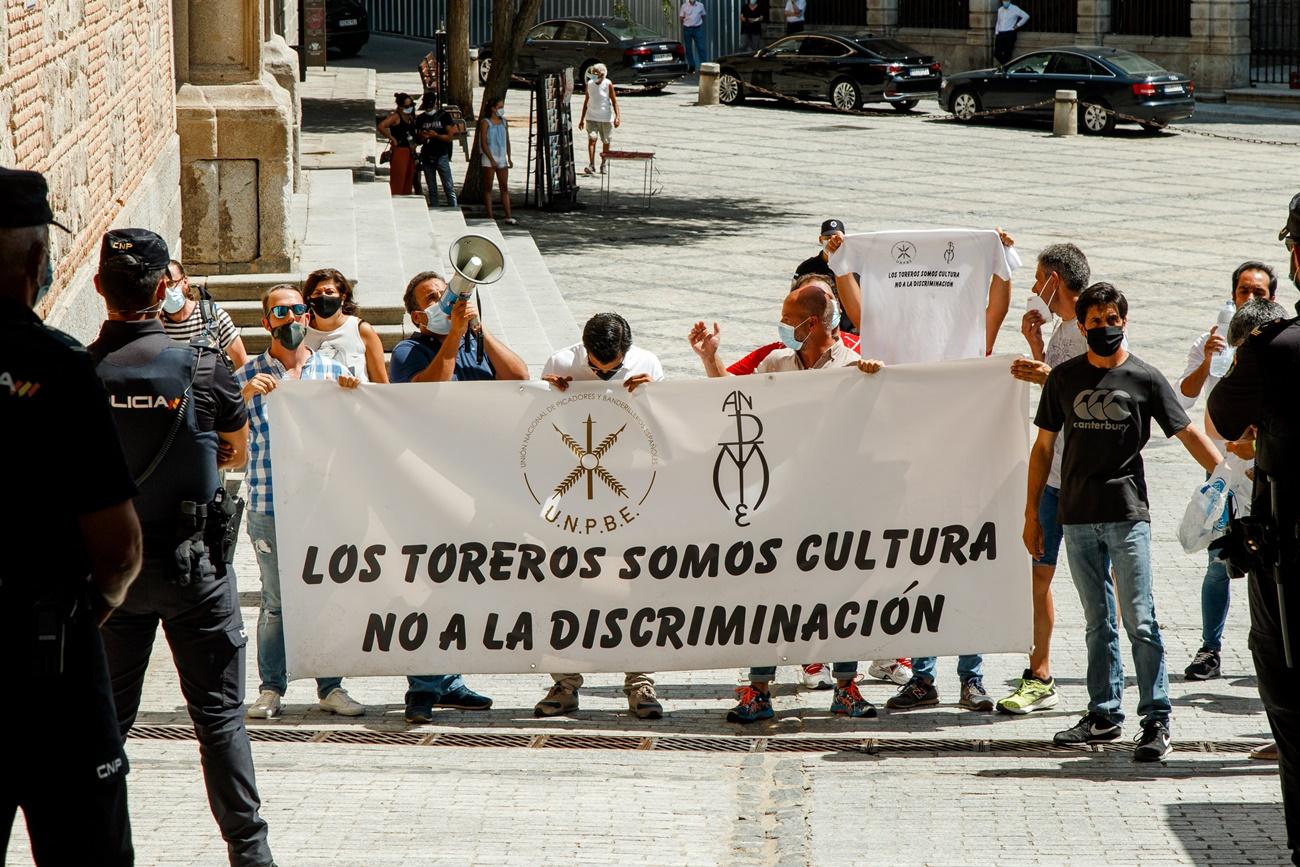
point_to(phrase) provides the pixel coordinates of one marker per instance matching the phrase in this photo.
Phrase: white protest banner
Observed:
(706, 523)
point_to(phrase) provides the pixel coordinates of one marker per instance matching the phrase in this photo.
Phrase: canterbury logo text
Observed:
(1102, 404)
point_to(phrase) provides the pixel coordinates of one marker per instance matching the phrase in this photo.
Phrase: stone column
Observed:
(979, 39)
(236, 126)
(882, 16)
(1221, 29)
(1094, 21)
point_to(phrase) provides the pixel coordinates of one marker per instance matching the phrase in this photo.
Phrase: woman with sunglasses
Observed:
(336, 331)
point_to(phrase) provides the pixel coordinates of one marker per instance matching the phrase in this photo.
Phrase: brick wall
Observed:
(87, 96)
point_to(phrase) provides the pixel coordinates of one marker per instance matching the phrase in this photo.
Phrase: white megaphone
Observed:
(477, 261)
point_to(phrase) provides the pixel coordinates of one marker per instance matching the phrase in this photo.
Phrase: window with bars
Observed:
(1151, 17)
(941, 14)
(1050, 16)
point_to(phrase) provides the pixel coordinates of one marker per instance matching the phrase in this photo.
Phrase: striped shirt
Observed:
(192, 326)
(259, 432)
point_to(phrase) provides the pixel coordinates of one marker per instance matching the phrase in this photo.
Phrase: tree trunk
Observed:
(509, 27)
(460, 89)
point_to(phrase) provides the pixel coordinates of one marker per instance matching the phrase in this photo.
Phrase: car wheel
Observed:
(581, 80)
(484, 70)
(965, 105)
(905, 105)
(845, 95)
(654, 88)
(1095, 119)
(730, 90)
(1153, 128)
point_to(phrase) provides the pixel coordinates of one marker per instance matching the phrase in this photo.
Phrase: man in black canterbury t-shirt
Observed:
(1103, 403)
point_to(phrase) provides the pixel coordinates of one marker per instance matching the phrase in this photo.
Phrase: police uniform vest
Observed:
(148, 377)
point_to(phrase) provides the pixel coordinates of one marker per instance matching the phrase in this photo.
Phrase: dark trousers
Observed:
(67, 825)
(793, 27)
(1004, 46)
(205, 631)
(1279, 694)
(435, 171)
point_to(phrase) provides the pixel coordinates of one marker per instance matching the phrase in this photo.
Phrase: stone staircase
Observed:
(380, 242)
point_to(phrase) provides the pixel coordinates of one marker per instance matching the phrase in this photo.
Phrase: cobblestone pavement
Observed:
(743, 192)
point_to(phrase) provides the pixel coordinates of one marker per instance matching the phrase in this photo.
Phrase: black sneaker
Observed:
(1205, 666)
(1153, 743)
(917, 692)
(1091, 729)
(419, 713)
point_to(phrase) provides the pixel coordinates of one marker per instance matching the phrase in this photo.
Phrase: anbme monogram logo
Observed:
(1102, 404)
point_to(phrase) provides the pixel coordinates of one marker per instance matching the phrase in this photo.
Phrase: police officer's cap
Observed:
(27, 198)
(1292, 227)
(144, 248)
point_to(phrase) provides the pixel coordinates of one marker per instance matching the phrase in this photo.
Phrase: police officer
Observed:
(181, 419)
(1260, 391)
(72, 548)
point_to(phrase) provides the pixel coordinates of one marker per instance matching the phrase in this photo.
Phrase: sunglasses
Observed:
(280, 311)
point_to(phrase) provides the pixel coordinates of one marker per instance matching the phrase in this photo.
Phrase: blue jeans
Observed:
(1048, 506)
(1214, 603)
(767, 673)
(1092, 550)
(270, 625)
(442, 169)
(968, 666)
(435, 686)
(694, 39)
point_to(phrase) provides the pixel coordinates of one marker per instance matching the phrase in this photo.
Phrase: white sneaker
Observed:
(267, 706)
(893, 670)
(338, 701)
(817, 675)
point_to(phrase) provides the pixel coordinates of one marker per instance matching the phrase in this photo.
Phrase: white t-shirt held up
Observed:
(924, 291)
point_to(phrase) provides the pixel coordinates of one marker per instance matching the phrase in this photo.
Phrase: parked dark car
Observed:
(846, 71)
(347, 26)
(1108, 80)
(633, 54)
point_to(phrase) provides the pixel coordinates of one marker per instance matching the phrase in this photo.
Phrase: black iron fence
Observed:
(840, 13)
(1151, 17)
(1275, 42)
(1051, 16)
(943, 14)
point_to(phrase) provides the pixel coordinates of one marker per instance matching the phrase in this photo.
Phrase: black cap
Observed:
(149, 250)
(28, 198)
(830, 227)
(1292, 227)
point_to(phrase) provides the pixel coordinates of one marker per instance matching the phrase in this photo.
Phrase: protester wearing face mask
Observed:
(446, 349)
(807, 330)
(831, 229)
(600, 115)
(494, 148)
(184, 319)
(399, 129)
(335, 329)
(1062, 274)
(1010, 19)
(1102, 404)
(284, 314)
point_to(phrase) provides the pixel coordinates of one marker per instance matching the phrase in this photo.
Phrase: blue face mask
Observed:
(173, 299)
(47, 280)
(438, 321)
(786, 334)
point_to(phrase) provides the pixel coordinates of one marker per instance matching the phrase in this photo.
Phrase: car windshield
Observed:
(623, 29)
(886, 47)
(1132, 64)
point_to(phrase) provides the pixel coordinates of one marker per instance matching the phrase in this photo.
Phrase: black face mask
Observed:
(326, 306)
(290, 334)
(1106, 340)
(607, 374)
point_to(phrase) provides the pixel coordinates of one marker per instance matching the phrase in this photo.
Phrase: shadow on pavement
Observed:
(1215, 832)
(1118, 766)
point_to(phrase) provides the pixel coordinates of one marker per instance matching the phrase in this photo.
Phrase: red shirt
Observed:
(750, 363)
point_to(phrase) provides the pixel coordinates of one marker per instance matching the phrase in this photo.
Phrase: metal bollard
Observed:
(708, 84)
(1065, 116)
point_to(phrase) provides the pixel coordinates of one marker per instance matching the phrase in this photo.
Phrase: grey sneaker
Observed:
(559, 701)
(267, 705)
(974, 697)
(644, 704)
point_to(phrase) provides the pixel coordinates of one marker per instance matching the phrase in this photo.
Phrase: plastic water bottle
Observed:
(1222, 359)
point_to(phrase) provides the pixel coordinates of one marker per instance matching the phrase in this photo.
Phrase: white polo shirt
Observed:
(692, 14)
(572, 362)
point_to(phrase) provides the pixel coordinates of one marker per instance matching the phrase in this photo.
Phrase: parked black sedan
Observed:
(1108, 80)
(633, 54)
(347, 27)
(846, 71)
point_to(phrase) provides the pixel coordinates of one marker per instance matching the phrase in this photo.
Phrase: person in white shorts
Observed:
(600, 115)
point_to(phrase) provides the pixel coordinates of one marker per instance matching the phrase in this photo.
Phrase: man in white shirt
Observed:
(1062, 274)
(692, 17)
(605, 353)
(600, 115)
(1251, 280)
(794, 15)
(1010, 19)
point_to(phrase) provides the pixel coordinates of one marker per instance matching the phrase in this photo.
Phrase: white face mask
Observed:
(173, 299)
(1036, 304)
(437, 321)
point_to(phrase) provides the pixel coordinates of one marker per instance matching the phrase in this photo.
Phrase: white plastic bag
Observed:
(1212, 506)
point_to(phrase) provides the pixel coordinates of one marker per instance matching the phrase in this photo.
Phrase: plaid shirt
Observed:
(259, 432)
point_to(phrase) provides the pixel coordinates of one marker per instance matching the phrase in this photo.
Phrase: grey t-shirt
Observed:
(1066, 342)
